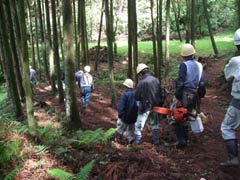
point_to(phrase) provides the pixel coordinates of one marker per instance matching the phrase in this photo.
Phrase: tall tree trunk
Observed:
(153, 39)
(159, 39)
(176, 14)
(15, 52)
(60, 33)
(51, 53)
(167, 49)
(48, 36)
(37, 42)
(238, 12)
(71, 102)
(78, 54)
(84, 41)
(4, 66)
(109, 26)
(75, 34)
(99, 37)
(31, 35)
(9, 62)
(193, 22)
(56, 53)
(188, 17)
(130, 59)
(29, 96)
(43, 44)
(209, 28)
(135, 43)
(132, 40)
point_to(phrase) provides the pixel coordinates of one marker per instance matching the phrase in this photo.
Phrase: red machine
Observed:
(179, 114)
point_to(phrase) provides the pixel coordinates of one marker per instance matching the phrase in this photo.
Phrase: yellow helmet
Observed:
(187, 50)
(237, 37)
(141, 67)
(128, 83)
(87, 69)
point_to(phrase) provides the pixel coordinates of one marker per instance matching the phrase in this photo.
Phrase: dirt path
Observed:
(200, 159)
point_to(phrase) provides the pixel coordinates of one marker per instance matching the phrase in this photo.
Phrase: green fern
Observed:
(42, 149)
(9, 150)
(88, 137)
(61, 174)
(108, 134)
(13, 173)
(84, 173)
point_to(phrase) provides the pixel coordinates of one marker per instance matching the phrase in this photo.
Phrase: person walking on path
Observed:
(232, 117)
(127, 112)
(190, 88)
(148, 94)
(87, 86)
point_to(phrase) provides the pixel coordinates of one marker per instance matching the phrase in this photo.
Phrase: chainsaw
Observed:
(179, 114)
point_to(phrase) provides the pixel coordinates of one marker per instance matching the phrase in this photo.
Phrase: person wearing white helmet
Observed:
(148, 94)
(87, 86)
(127, 112)
(189, 89)
(232, 117)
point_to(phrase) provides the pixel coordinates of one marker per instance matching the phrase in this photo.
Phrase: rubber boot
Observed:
(232, 149)
(155, 136)
(181, 135)
(138, 139)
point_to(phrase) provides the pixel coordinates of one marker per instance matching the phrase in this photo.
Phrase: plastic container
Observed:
(197, 125)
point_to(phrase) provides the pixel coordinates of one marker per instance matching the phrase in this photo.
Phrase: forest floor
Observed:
(200, 159)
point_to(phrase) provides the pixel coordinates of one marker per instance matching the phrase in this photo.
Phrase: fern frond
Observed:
(89, 137)
(108, 134)
(13, 173)
(61, 174)
(84, 173)
(42, 149)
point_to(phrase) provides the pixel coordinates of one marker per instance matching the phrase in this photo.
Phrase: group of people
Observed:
(136, 104)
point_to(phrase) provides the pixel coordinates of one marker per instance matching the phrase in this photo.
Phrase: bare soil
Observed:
(200, 159)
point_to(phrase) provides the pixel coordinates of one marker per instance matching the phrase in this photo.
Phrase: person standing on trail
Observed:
(232, 117)
(32, 76)
(148, 94)
(87, 86)
(189, 89)
(127, 112)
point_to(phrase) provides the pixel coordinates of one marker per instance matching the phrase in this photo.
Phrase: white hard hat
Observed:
(128, 83)
(237, 37)
(187, 50)
(141, 67)
(87, 69)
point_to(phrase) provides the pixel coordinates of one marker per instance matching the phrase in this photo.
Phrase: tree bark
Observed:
(176, 14)
(43, 42)
(16, 60)
(209, 28)
(56, 53)
(193, 22)
(9, 62)
(71, 102)
(130, 59)
(159, 39)
(153, 39)
(29, 96)
(84, 42)
(167, 49)
(109, 26)
(99, 37)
